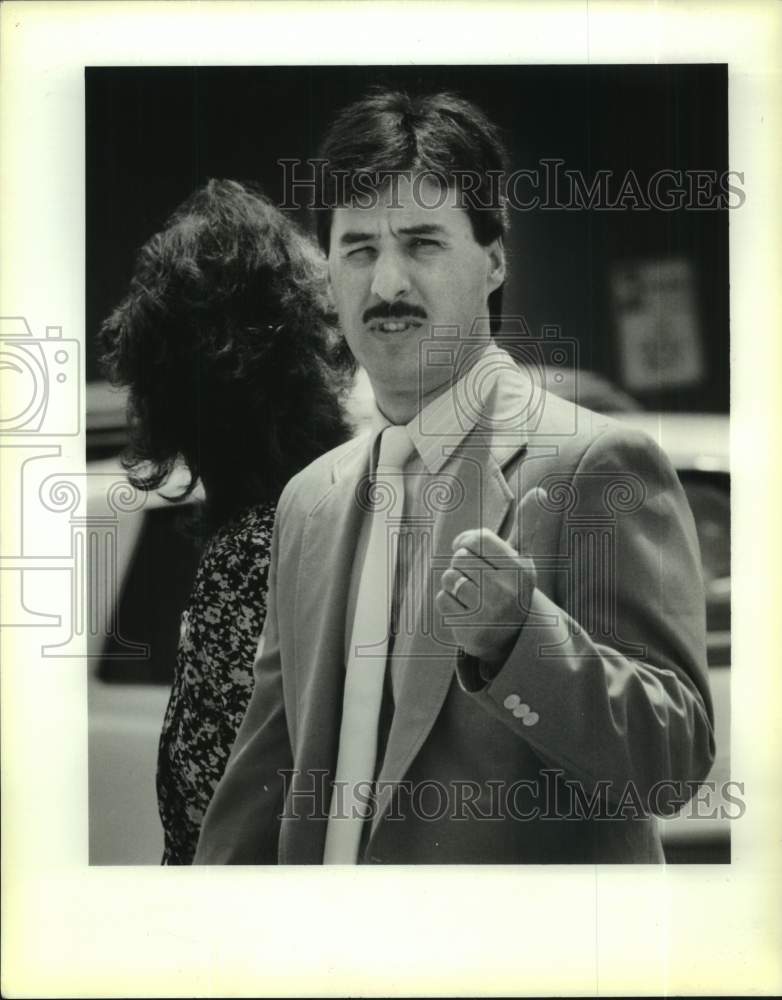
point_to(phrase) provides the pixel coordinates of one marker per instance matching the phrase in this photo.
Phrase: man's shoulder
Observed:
(561, 416)
(314, 479)
(529, 411)
(574, 430)
(549, 418)
(580, 435)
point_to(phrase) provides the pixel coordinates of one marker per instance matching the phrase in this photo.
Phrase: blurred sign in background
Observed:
(657, 325)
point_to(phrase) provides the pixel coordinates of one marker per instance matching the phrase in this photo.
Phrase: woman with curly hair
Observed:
(225, 344)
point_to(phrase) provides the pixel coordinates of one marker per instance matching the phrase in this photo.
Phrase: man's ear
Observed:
(495, 253)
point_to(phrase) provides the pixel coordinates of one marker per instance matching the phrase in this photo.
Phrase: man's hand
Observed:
(489, 586)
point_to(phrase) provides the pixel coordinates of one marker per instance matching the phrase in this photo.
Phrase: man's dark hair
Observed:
(227, 346)
(441, 135)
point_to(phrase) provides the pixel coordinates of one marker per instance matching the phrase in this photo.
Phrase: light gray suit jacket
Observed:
(611, 664)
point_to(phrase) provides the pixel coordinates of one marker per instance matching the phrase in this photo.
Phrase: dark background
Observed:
(155, 134)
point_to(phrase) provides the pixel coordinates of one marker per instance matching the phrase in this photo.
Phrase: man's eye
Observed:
(361, 253)
(419, 243)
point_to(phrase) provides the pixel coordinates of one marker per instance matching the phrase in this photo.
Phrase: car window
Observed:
(709, 498)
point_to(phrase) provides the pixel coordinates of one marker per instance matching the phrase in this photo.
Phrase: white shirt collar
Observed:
(441, 427)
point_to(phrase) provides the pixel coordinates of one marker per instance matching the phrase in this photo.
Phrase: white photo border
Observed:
(71, 930)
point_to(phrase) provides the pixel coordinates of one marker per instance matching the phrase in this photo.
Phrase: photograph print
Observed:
(418, 379)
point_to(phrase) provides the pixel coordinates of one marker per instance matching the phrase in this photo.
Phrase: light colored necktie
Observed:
(367, 655)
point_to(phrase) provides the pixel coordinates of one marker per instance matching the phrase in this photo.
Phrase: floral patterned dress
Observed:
(213, 681)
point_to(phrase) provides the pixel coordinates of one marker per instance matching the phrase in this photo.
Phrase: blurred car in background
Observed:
(157, 558)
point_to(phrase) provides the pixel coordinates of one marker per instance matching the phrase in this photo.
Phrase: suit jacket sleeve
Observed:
(612, 660)
(241, 825)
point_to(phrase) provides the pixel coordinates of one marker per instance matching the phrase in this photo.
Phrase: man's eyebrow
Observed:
(346, 239)
(422, 229)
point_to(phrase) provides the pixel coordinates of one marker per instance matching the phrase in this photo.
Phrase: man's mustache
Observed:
(393, 310)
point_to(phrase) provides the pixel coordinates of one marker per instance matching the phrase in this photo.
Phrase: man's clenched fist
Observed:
(488, 585)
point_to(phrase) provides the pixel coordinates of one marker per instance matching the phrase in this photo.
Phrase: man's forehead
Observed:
(406, 203)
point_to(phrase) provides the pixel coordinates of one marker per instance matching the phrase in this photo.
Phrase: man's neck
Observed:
(401, 408)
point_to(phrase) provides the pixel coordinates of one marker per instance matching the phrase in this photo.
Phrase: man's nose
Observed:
(391, 280)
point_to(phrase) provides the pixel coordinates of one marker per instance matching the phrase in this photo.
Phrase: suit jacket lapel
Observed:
(474, 494)
(328, 545)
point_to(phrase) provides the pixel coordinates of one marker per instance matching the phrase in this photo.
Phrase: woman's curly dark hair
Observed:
(227, 346)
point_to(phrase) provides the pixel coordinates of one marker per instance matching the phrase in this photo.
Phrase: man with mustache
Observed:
(485, 638)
